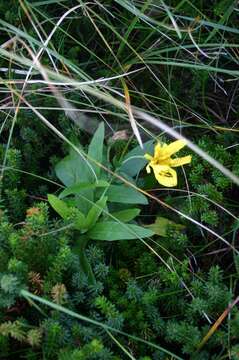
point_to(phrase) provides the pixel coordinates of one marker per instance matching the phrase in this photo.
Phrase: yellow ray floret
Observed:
(162, 163)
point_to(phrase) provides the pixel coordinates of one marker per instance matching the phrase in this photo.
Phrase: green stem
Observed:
(85, 265)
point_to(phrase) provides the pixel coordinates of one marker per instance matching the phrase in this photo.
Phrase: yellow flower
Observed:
(162, 163)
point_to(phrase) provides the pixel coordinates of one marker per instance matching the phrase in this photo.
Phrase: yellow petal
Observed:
(158, 150)
(165, 175)
(172, 148)
(163, 162)
(180, 161)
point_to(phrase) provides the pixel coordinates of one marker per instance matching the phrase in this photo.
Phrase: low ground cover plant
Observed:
(119, 180)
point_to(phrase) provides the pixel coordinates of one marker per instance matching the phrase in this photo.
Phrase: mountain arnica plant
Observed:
(119, 180)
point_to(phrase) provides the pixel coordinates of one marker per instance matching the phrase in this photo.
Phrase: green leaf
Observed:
(95, 212)
(125, 195)
(77, 188)
(59, 206)
(111, 231)
(161, 225)
(126, 215)
(68, 213)
(74, 169)
(95, 150)
(79, 221)
(131, 164)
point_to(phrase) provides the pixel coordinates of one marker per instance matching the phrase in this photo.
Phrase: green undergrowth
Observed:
(97, 259)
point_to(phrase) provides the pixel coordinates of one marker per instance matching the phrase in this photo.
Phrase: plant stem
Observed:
(85, 265)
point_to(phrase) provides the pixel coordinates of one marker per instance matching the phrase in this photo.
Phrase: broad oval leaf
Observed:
(79, 221)
(74, 169)
(77, 188)
(68, 213)
(125, 195)
(132, 164)
(126, 215)
(112, 231)
(59, 206)
(95, 150)
(95, 212)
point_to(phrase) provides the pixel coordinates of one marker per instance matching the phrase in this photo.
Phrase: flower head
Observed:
(162, 163)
